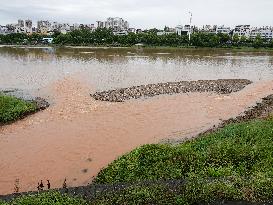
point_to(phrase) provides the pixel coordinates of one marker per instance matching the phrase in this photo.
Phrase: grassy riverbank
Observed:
(233, 163)
(12, 108)
(47, 198)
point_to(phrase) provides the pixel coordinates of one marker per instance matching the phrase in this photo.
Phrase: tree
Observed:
(166, 29)
(243, 41)
(214, 40)
(236, 39)
(271, 44)
(223, 38)
(258, 42)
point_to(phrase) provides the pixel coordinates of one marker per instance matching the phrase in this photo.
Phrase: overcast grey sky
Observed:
(141, 13)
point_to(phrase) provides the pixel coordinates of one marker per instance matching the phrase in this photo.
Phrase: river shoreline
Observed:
(239, 49)
(261, 110)
(40, 103)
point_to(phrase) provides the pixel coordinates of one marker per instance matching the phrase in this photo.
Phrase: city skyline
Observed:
(141, 14)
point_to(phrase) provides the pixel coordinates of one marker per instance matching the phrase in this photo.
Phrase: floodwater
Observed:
(34, 68)
(77, 136)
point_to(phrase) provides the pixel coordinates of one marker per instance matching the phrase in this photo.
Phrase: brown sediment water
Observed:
(77, 136)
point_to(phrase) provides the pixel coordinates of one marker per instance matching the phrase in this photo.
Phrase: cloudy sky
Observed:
(141, 13)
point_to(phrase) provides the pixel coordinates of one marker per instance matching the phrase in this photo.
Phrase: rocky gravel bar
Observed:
(221, 86)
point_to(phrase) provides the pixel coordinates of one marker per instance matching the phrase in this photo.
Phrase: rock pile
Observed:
(219, 86)
(41, 103)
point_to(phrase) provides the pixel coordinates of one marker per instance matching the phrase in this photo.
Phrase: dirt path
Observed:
(77, 135)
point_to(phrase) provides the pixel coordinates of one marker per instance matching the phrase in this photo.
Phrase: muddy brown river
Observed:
(77, 136)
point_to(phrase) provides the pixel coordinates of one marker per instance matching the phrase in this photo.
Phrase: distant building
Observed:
(120, 33)
(116, 24)
(132, 30)
(183, 30)
(55, 26)
(161, 33)
(21, 23)
(90, 27)
(121, 27)
(75, 26)
(223, 29)
(28, 23)
(242, 30)
(3, 30)
(43, 27)
(47, 40)
(28, 26)
(265, 33)
(139, 30)
(209, 29)
(11, 27)
(43, 30)
(100, 24)
(19, 29)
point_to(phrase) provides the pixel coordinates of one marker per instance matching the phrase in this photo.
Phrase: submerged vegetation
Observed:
(105, 37)
(233, 163)
(12, 108)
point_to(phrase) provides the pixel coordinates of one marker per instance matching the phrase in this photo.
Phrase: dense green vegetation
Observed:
(21, 39)
(12, 108)
(234, 163)
(47, 198)
(150, 38)
(105, 37)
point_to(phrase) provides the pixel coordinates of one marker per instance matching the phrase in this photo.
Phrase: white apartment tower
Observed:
(117, 24)
(223, 29)
(242, 30)
(21, 23)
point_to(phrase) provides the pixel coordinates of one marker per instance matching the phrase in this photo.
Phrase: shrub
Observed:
(12, 108)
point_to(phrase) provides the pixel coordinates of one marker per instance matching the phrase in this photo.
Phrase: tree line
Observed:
(105, 37)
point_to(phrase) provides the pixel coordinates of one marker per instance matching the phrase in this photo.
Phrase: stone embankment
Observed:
(143, 91)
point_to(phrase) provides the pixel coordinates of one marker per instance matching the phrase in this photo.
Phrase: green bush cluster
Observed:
(47, 198)
(150, 38)
(12, 108)
(105, 37)
(21, 39)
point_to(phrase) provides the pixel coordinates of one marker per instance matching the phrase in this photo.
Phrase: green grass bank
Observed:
(12, 109)
(234, 163)
(47, 198)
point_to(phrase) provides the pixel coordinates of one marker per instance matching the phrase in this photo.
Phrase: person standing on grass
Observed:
(64, 184)
(41, 186)
(48, 184)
